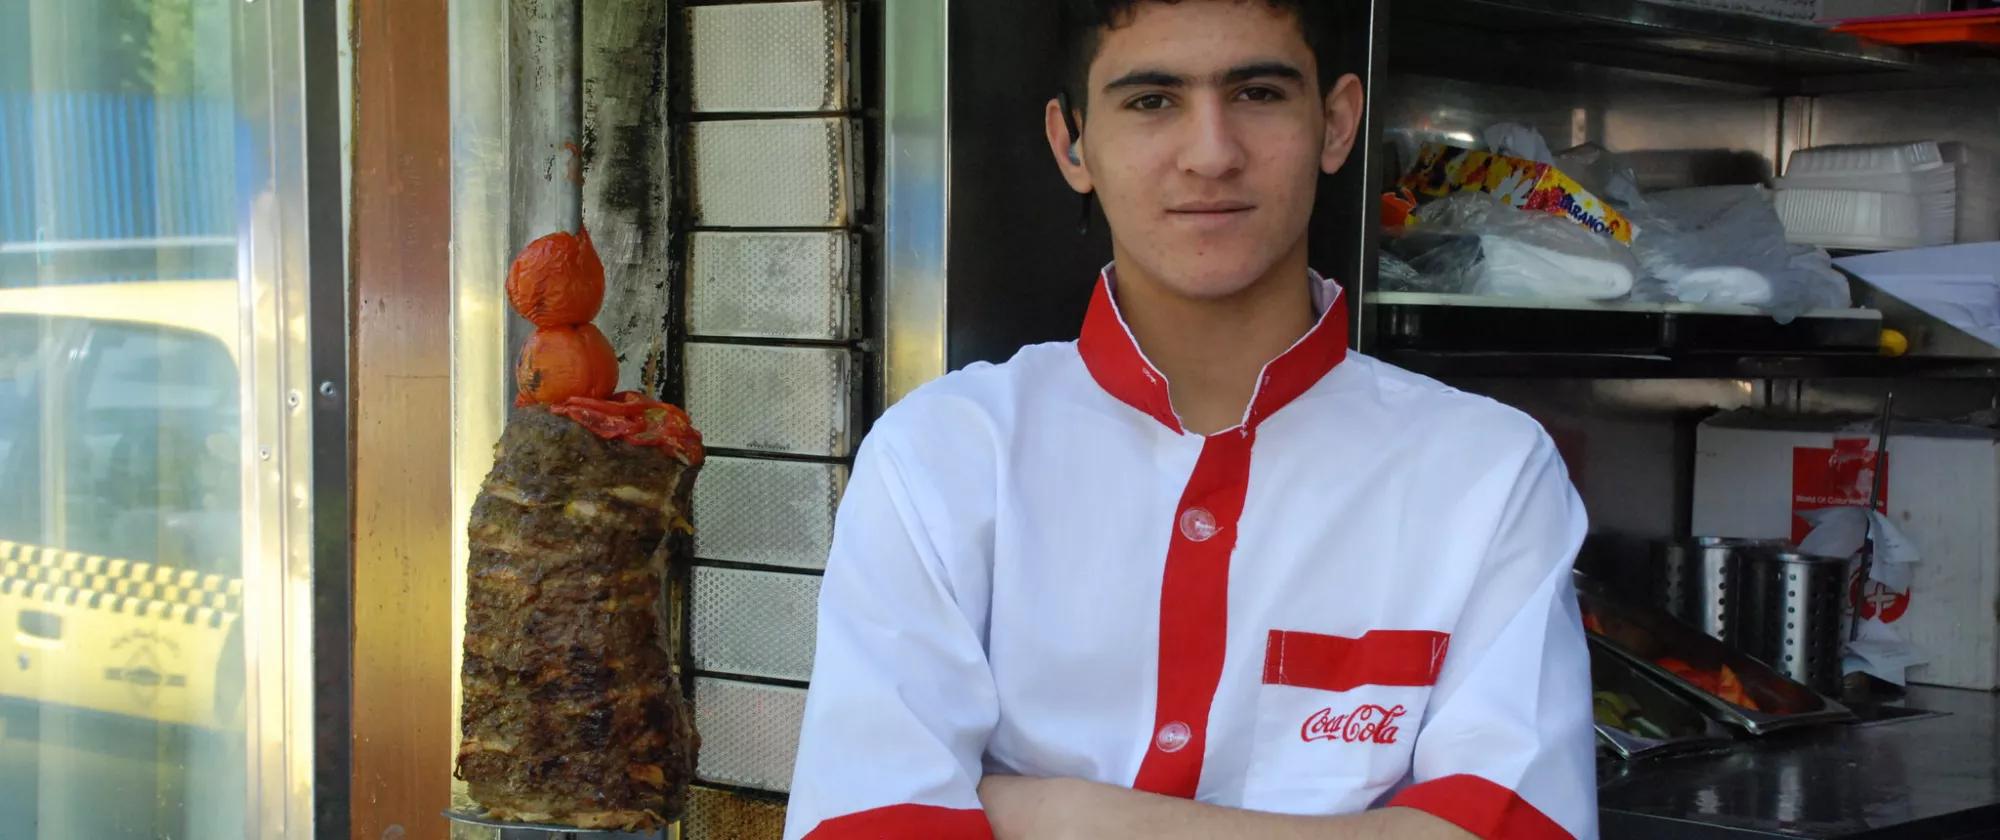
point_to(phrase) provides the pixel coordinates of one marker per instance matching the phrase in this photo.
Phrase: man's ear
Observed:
(1344, 105)
(1076, 172)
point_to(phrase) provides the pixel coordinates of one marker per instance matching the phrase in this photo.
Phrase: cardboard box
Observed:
(1754, 473)
(1442, 170)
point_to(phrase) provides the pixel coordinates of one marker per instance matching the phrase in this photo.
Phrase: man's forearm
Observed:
(1051, 809)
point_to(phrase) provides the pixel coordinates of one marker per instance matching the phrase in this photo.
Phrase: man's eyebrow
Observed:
(1146, 78)
(1262, 70)
(1233, 76)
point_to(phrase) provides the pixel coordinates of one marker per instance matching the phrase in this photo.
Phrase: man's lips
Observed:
(1211, 207)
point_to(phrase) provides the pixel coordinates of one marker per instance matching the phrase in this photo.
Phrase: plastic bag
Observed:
(1517, 140)
(1725, 245)
(1473, 243)
(1602, 173)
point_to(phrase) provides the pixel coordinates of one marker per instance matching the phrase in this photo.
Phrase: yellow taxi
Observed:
(121, 482)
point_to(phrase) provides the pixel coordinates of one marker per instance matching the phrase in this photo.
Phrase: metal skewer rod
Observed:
(1875, 487)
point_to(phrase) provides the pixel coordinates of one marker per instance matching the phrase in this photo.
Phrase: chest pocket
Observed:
(1337, 717)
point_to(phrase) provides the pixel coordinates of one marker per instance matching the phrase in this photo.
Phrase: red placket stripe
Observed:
(1194, 589)
(1194, 614)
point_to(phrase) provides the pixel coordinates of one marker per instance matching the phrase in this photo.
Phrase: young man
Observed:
(1202, 572)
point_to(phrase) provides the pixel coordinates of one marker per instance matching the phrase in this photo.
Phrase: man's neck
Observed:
(1212, 351)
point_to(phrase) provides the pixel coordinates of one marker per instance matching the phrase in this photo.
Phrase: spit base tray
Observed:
(540, 831)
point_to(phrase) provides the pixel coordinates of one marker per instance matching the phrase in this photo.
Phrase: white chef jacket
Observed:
(1359, 597)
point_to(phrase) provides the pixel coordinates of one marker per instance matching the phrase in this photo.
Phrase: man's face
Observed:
(1205, 137)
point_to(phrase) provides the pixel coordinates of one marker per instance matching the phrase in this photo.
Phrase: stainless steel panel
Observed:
(796, 400)
(917, 169)
(282, 239)
(1673, 137)
(749, 732)
(544, 75)
(627, 182)
(773, 173)
(785, 57)
(756, 624)
(772, 285)
(777, 513)
(482, 214)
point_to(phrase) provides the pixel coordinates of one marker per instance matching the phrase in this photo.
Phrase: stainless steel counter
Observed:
(1918, 777)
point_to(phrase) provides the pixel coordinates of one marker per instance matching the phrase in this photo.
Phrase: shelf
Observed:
(1464, 335)
(1492, 39)
(1499, 365)
(1470, 323)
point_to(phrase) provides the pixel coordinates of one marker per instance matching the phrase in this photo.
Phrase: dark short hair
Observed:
(1324, 23)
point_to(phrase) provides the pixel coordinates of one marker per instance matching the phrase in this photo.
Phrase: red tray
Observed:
(1979, 26)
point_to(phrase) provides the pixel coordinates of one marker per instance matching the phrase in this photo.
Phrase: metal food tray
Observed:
(1640, 635)
(541, 831)
(1692, 730)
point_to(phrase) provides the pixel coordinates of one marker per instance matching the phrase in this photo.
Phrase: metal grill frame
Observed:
(863, 338)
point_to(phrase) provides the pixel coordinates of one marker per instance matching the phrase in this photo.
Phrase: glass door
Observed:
(152, 422)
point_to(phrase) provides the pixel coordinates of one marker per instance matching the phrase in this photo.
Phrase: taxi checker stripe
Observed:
(1337, 663)
(118, 575)
(96, 600)
(69, 596)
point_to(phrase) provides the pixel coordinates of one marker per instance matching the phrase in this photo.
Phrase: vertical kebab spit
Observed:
(572, 711)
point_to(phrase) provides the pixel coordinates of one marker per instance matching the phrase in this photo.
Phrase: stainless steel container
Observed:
(1694, 579)
(1786, 612)
(1647, 637)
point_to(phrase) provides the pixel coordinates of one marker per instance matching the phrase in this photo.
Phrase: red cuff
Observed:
(906, 822)
(1487, 810)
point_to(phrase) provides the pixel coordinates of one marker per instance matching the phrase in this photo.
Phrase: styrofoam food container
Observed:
(1865, 159)
(1852, 218)
(1942, 178)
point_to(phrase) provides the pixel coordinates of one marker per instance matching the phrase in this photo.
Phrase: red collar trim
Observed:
(1114, 359)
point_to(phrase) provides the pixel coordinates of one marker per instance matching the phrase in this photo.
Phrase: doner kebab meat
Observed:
(573, 713)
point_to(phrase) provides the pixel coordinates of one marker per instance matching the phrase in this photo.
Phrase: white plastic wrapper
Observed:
(1725, 245)
(1519, 253)
(1877, 649)
(1517, 140)
(1603, 173)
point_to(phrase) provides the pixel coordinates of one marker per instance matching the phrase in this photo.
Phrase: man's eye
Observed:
(1149, 102)
(1262, 94)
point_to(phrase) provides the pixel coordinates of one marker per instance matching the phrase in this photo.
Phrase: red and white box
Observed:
(1754, 474)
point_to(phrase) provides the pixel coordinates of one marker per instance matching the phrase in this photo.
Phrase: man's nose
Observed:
(1211, 148)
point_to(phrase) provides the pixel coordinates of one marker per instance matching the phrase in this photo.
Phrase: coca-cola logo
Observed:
(1369, 724)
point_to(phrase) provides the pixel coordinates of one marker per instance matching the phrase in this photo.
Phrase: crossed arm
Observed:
(1020, 808)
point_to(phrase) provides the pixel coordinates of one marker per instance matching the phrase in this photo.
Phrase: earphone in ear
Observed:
(1075, 159)
(1069, 122)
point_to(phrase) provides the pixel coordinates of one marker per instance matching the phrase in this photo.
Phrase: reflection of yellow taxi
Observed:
(120, 514)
